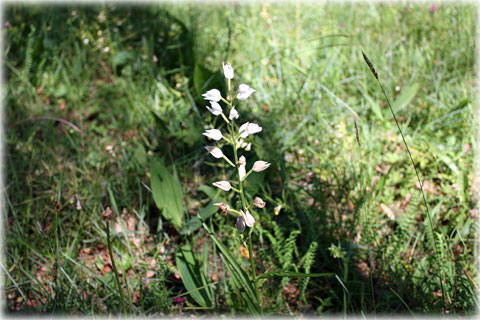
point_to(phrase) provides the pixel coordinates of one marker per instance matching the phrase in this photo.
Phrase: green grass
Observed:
(347, 208)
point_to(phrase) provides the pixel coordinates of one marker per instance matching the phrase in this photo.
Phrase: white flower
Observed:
(248, 128)
(241, 143)
(214, 134)
(227, 70)
(243, 130)
(245, 220)
(214, 151)
(249, 219)
(248, 147)
(241, 168)
(106, 49)
(260, 165)
(224, 185)
(86, 41)
(253, 128)
(244, 91)
(242, 172)
(216, 109)
(79, 205)
(212, 95)
(233, 114)
(258, 202)
(242, 161)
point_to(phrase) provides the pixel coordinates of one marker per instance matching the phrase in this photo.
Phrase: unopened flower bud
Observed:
(227, 71)
(258, 202)
(223, 206)
(260, 165)
(242, 161)
(214, 151)
(224, 185)
(214, 134)
(249, 219)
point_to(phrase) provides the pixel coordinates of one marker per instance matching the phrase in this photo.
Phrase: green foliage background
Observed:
(131, 78)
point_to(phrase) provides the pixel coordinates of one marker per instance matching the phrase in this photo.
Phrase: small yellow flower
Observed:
(277, 209)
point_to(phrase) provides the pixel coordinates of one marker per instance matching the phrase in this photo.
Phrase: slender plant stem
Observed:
(254, 274)
(117, 280)
(244, 205)
(242, 197)
(372, 69)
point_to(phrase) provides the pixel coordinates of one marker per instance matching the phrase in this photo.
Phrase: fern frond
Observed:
(309, 259)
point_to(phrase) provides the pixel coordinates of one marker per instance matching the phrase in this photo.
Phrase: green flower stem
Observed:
(244, 205)
(225, 118)
(227, 102)
(228, 160)
(248, 173)
(109, 245)
(236, 190)
(227, 139)
(254, 274)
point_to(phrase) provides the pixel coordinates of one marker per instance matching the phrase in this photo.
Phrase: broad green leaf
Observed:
(167, 193)
(204, 79)
(206, 212)
(122, 58)
(374, 105)
(140, 156)
(126, 262)
(209, 191)
(195, 223)
(60, 91)
(404, 99)
(192, 276)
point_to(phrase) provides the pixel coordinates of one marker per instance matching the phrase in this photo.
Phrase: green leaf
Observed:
(140, 156)
(236, 270)
(294, 274)
(206, 212)
(209, 191)
(167, 193)
(251, 304)
(204, 79)
(374, 105)
(126, 262)
(404, 99)
(122, 58)
(192, 276)
(60, 91)
(195, 223)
